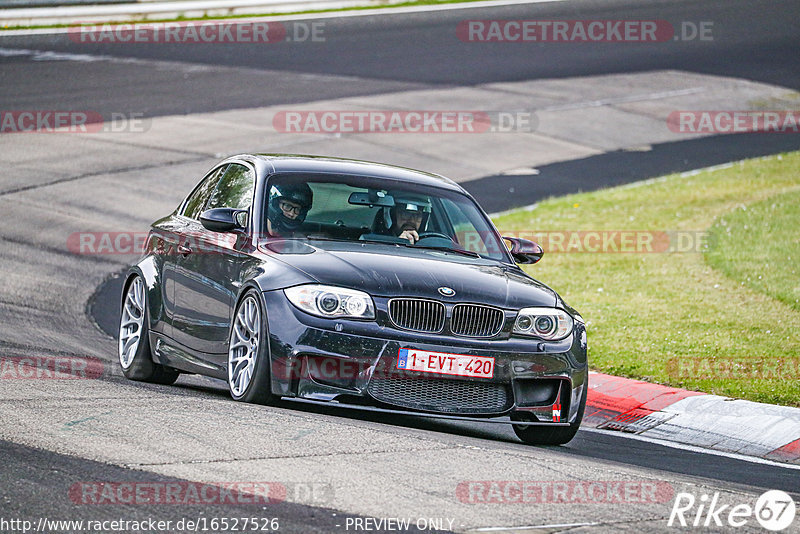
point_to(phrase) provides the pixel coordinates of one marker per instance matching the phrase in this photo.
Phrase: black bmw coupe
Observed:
(363, 284)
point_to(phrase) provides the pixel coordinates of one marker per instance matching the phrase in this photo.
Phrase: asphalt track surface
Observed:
(756, 40)
(35, 483)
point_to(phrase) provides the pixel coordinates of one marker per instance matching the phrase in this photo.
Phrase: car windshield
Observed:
(357, 208)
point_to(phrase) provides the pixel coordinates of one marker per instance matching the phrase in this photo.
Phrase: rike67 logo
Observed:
(774, 510)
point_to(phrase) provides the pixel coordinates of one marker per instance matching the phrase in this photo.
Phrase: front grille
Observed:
(418, 315)
(441, 395)
(476, 321)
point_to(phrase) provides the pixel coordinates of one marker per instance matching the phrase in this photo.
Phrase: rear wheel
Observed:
(543, 435)
(135, 357)
(248, 353)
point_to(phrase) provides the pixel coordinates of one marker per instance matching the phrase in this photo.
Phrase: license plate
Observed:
(446, 364)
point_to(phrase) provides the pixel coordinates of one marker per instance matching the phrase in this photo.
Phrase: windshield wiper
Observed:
(317, 237)
(405, 243)
(381, 242)
(448, 249)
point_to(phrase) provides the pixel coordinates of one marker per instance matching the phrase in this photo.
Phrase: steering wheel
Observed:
(425, 235)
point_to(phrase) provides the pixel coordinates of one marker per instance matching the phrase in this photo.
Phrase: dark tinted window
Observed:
(234, 190)
(197, 200)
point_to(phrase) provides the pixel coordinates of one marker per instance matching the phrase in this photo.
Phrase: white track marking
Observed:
(503, 529)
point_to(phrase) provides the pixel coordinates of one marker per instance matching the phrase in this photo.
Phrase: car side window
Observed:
(467, 235)
(199, 197)
(234, 189)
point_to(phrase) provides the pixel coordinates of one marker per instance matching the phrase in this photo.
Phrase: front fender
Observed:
(148, 270)
(276, 274)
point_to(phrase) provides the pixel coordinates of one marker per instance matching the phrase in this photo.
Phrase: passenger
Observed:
(288, 207)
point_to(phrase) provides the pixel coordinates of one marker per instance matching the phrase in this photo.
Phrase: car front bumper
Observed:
(356, 362)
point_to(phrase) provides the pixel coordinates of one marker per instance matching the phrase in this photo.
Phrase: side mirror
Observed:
(224, 219)
(524, 251)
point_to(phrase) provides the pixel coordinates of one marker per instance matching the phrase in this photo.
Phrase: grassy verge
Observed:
(245, 16)
(721, 318)
(759, 245)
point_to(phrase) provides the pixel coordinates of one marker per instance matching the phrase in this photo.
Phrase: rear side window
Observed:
(234, 190)
(199, 197)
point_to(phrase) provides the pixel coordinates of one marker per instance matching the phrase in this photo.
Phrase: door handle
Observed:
(184, 250)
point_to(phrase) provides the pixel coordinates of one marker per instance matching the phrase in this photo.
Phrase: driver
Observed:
(288, 207)
(408, 215)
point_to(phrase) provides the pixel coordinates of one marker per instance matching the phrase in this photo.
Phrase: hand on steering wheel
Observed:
(411, 235)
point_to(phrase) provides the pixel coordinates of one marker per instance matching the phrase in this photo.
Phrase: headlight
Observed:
(545, 323)
(328, 301)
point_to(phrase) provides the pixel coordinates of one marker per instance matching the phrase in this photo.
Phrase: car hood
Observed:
(392, 271)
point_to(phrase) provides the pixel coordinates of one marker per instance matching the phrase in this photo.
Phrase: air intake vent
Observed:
(417, 315)
(476, 321)
(442, 395)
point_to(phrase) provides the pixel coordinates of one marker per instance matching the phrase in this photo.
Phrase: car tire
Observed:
(542, 435)
(135, 356)
(248, 352)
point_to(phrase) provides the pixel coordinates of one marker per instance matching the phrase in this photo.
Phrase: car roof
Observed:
(330, 165)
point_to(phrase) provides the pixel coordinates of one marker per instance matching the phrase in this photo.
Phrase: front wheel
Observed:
(559, 435)
(135, 357)
(248, 353)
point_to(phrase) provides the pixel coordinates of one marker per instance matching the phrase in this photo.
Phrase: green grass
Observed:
(699, 320)
(759, 245)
